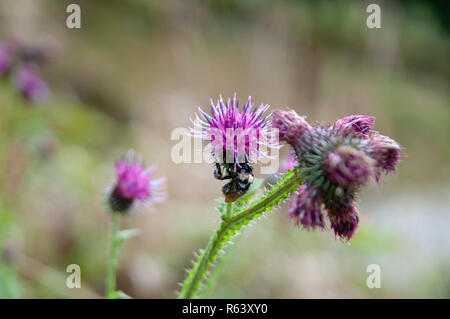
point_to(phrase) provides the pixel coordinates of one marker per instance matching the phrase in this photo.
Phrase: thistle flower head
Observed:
(30, 84)
(336, 160)
(386, 152)
(305, 209)
(291, 126)
(134, 182)
(234, 136)
(356, 125)
(344, 220)
(348, 166)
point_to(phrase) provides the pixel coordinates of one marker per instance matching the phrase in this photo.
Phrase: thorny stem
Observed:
(113, 258)
(207, 258)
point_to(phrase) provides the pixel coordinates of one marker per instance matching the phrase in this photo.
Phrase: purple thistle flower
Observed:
(305, 209)
(291, 126)
(335, 161)
(30, 84)
(386, 152)
(344, 220)
(235, 137)
(134, 182)
(356, 125)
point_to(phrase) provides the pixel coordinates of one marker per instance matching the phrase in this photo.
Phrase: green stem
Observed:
(228, 228)
(228, 211)
(113, 258)
(211, 283)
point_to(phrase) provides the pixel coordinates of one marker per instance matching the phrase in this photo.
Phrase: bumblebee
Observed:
(241, 178)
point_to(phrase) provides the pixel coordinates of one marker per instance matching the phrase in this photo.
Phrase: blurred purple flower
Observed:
(235, 137)
(335, 161)
(134, 182)
(30, 84)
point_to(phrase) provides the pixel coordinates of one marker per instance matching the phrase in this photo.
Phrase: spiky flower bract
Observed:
(234, 136)
(134, 183)
(335, 161)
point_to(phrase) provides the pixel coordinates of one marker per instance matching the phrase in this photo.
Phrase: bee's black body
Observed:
(241, 178)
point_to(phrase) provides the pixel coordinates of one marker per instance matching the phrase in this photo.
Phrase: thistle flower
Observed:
(290, 125)
(356, 125)
(134, 183)
(386, 152)
(235, 137)
(336, 160)
(344, 220)
(348, 166)
(30, 84)
(305, 209)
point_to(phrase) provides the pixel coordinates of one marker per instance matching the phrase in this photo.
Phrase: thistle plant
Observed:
(236, 140)
(29, 83)
(20, 64)
(235, 136)
(332, 162)
(134, 184)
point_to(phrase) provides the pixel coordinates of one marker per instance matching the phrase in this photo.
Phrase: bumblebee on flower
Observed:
(236, 141)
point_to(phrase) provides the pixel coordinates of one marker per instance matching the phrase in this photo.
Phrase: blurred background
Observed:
(138, 69)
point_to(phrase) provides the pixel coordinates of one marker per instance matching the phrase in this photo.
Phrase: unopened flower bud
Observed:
(356, 125)
(305, 209)
(349, 167)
